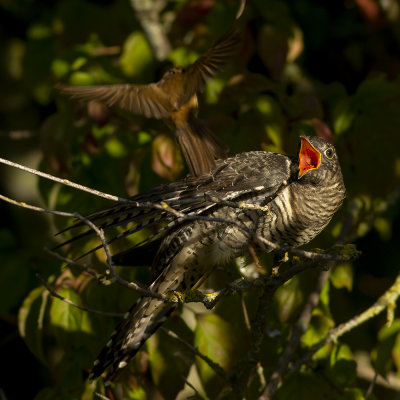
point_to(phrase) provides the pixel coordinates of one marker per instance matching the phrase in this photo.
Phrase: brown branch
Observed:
(148, 14)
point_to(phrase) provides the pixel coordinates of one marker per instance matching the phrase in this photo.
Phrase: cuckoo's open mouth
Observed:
(309, 157)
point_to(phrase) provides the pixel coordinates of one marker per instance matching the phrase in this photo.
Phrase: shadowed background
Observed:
(329, 68)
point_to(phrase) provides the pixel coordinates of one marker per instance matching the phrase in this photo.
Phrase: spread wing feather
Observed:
(255, 175)
(148, 100)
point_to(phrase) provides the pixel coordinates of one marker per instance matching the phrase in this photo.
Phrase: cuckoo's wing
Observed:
(254, 177)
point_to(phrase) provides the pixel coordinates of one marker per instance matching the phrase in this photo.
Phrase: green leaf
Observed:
(137, 57)
(30, 321)
(343, 368)
(60, 68)
(68, 321)
(305, 386)
(384, 228)
(215, 339)
(183, 57)
(288, 299)
(319, 327)
(170, 360)
(80, 78)
(388, 346)
(115, 148)
(342, 276)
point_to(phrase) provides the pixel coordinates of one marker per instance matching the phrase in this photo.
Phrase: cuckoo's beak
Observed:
(309, 157)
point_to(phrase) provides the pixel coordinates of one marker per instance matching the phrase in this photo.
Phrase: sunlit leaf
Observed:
(319, 327)
(343, 368)
(60, 68)
(387, 348)
(342, 276)
(137, 57)
(213, 338)
(68, 321)
(30, 321)
(288, 299)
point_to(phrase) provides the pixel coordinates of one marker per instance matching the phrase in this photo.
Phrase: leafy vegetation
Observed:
(306, 67)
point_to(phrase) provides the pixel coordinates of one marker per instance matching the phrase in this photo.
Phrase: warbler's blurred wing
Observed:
(212, 61)
(149, 100)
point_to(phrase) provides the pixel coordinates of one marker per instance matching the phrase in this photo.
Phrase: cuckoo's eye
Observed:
(329, 153)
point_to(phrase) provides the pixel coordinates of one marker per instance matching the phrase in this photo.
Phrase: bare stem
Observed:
(65, 300)
(213, 365)
(65, 182)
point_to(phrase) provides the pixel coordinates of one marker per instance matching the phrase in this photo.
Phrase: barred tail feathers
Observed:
(132, 332)
(143, 319)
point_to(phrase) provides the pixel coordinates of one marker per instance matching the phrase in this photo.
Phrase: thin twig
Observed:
(386, 301)
(371, 385)
(83, 267)
(298, 330)
(192, 387)
(247, 365)
(131, 285)
(65, 182)
(18, 134)
(214, 366)
(83, 308)
(101, 396)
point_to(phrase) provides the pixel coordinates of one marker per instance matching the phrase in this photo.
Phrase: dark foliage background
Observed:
(331, 68)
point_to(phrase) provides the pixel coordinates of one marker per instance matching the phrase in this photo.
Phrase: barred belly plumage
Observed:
(296, 216)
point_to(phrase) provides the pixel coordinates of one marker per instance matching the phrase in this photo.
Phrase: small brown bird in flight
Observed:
(174, 98)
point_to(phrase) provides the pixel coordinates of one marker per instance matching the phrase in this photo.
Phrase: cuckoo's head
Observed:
(317, 159)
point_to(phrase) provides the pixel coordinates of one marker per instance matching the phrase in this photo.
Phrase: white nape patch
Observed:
(259, 188)
(122, 364)
(96, 362)
(109, 343)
